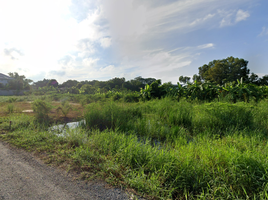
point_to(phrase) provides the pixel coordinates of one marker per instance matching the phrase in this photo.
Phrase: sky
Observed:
(103, 39)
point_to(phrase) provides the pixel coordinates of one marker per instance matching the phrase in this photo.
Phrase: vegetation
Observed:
(64, 108)
(206, 139)
(18, 82)
(41, 109)
(224, 71)
(161, 148)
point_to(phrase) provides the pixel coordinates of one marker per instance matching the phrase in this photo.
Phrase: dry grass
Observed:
(19, 107)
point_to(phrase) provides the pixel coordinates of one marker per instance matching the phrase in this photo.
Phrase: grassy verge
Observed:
(163, 149)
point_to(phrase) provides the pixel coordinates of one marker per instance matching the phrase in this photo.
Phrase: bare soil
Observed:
(23, 176)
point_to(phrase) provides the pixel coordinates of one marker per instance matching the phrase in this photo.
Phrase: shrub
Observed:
(11, 100)
(10, 108)
(41, 109)
(132, 97)
(117, 96)
(222, 117)
(110, 116)
(65, 108)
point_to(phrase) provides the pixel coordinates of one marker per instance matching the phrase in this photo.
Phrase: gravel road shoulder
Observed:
(22, 176)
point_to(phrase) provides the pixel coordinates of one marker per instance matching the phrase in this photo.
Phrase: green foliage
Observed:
(131, 97)
(12, 100)
(184, 79)
(109, 116)
(10, 108)
(146, 92)
(116, 96)
(65, 108)
(223, 117)
(225, 70)
(163, 149)
(53, 83)
(155, 90)
(18, 82)
(41, 109)
(86, 89)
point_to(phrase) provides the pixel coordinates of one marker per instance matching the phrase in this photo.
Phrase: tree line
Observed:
(218, 72)
(225, 71)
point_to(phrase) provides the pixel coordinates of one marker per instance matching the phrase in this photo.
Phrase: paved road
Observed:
(24, 177)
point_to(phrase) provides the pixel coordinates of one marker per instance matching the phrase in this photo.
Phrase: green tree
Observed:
(87, 89)
(196, 78)
(53, 83)
(254, 78)
(264, 80)
(18, 82)
(69, 84)
(42, 83)
(225, 70)
(184, 79)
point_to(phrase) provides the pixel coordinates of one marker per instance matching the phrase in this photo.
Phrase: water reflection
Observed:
(61, 129)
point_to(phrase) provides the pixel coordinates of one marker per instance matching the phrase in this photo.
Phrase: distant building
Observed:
(4, 79)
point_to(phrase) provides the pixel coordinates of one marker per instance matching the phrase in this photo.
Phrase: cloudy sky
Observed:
(103, 39)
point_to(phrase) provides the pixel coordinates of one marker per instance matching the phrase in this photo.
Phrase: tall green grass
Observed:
(208, 151)
(110, 116)
(165, 149)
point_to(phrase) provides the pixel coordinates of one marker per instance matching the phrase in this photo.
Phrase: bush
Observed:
(10, 108)
(117, 96)
(65, 108)
(110, 116)
(222, 117)
(41, 109)
(132, 97)
(12, 100)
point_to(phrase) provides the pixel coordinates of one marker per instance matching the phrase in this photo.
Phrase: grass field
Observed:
(163, 149)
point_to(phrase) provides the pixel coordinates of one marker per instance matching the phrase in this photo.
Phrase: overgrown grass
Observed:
(10, 108)
(41, 109)
(162, 148)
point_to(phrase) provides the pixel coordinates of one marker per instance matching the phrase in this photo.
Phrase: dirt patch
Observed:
(27, 111)
(23, 176)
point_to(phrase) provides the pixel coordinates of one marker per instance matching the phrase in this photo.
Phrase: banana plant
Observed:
(210, 91)
(181, 91)
(242, 91)
(193, 91)
(229, 89)
(146, 92)
(258, 92)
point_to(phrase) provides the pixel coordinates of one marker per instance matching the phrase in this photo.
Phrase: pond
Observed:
(60, 130)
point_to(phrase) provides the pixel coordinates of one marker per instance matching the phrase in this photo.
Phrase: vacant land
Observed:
(161, 149)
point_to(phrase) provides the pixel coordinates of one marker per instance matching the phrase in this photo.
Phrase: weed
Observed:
(12, 100)
(162, 148)
(41, 109)
(64, 108)
(10, 108)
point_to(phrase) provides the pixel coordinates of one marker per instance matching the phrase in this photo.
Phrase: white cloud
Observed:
(231, 17)
(205, 46)
(89, 62)
(110, 69)
(241, 15)
(58, 41)
(264, 31)
(201, 20)
(106, 42)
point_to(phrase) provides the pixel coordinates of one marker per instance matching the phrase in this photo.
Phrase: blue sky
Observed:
(103, 39)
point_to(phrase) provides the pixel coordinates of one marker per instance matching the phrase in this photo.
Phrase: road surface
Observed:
(22, 176)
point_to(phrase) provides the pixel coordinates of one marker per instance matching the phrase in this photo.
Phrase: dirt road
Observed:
(24, 177)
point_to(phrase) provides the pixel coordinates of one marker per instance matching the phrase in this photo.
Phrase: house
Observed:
(4, 79)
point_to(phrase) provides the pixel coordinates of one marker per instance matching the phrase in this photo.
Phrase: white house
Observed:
(4, 79)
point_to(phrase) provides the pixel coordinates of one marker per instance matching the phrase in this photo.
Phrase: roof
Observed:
(4, 77)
